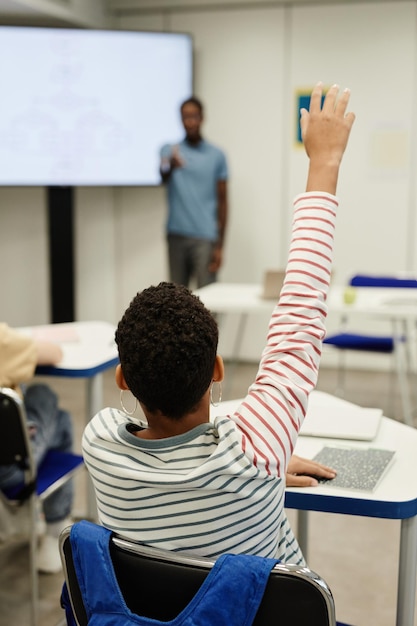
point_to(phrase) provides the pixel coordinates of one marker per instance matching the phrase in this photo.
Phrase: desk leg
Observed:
(236, 350)
(94, 404)
(302, 532)
(403, 368)
(407, 572)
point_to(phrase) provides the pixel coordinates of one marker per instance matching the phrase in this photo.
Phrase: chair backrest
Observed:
(363, 280)
(56, 468)
(19, 503)
(159, 584)
(15, 447)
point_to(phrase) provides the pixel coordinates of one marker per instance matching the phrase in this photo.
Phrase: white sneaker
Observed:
(48, 557)
(40, 523)
(55, 528)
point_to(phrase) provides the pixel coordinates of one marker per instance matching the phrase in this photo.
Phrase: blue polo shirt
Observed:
(192, 190)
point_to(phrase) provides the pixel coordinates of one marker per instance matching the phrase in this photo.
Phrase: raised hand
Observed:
(176, 158)
(325, 131)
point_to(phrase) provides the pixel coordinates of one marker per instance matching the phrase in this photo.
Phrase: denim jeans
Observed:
(49, 428)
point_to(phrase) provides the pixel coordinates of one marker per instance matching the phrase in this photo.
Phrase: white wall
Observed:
(23, 256)
(248, 65)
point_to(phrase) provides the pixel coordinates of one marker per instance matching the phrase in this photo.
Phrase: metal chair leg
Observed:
(403, 371)
(34, 581)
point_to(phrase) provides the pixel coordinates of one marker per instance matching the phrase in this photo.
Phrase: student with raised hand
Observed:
(181, 481)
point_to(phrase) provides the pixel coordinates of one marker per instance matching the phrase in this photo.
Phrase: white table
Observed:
(242, 299)
(395, 305)
(391, 304)
(88, 349)
(394, 498)
(398, 306)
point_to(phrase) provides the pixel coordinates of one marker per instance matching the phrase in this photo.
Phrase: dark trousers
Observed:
(189, 260)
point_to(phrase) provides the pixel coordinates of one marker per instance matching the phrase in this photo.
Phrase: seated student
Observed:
(49, 428)
(181, 481)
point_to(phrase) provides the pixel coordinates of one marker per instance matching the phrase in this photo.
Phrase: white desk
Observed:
(243, 299)
(88, 350)
(87, 355)
(398, 306)
(394, 498)
(395, 305)
(234, 298)
(387, 303)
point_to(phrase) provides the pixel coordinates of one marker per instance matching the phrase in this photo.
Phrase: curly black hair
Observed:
(167, 343)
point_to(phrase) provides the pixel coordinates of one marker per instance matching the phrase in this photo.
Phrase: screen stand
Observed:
(61, 253)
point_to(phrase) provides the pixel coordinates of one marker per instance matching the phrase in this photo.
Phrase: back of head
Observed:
(167, 343)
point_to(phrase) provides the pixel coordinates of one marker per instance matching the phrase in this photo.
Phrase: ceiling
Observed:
(117, 6)
(33, 10)
(11, 7)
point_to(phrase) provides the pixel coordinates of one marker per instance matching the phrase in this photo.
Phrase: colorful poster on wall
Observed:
(302, 101)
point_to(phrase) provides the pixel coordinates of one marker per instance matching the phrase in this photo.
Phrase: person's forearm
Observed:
(222, 209)
(48, 353)
(322, 177)
(222, 226)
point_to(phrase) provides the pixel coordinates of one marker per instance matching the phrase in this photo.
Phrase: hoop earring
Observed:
(123, 406)
(219, 399)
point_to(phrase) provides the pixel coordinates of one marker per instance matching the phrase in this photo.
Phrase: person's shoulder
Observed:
(103, 426)
(9, 334)
(104, 417)
(5, 332)
(213, 146)
(215, 150)
(4, 328)
(223, 423)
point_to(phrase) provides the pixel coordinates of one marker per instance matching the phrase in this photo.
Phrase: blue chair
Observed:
(56, 469)
(362, 280)
(395, 345)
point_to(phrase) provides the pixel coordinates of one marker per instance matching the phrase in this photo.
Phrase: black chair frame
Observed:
(159, 584)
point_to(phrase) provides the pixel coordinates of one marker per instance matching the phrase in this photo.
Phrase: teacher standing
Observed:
(195, 173)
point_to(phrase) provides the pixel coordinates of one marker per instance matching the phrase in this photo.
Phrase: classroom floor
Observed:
(358, 557)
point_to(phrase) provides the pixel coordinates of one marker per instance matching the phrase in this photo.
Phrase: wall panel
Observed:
(24, 256)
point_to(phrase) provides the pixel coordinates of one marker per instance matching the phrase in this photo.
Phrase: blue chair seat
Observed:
(368, 343)
(55, 466)
(362, 280)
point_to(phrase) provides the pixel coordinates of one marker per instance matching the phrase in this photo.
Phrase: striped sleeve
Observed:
(271, 415)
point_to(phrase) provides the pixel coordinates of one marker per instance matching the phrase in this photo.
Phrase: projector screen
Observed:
(89, 107)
